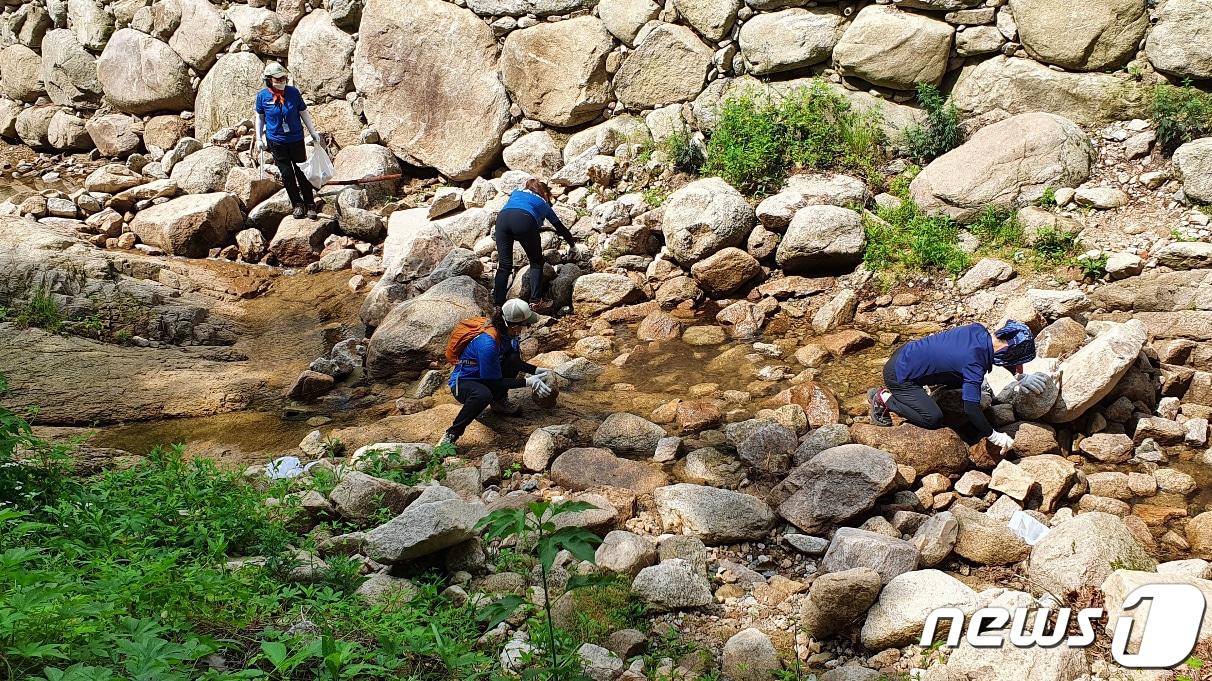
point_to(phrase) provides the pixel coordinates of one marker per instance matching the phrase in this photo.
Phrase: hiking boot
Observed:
(879, 412)
(299, 211)
(312, 212)
(504, 407)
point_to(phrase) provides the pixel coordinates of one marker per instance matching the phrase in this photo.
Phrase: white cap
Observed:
(274, 70)
(518, 312)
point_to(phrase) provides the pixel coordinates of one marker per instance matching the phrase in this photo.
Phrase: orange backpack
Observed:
(464, 333)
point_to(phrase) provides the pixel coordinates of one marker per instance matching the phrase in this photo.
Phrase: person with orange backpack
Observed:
(487, 361)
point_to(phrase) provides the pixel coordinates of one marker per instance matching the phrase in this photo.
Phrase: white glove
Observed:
(1001, 440)
(1034, 383)
(543, 373)
(536, 384)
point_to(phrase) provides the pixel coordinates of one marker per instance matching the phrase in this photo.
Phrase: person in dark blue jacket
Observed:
(488, 368)
(956, 358)
(520, 221)
(281, 115)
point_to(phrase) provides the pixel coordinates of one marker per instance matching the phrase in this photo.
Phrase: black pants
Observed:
(476, 394)
(517, 225)
(910, 400)
(286, 156)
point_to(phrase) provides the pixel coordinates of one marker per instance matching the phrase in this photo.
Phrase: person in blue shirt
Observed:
(956, 358)
(519, 221)
(280, 117)
(488, 368)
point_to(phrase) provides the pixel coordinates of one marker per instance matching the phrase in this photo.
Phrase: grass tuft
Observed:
(1182, 114)
(940, 134)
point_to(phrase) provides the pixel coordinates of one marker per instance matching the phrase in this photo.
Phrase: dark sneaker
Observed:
(504, 407)
(299, 211)
(312, 212)
(880, 415)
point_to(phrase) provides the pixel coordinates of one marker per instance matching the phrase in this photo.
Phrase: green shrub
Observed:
(997, 228)
(684, 154)
(940, 134)
(1055, 247)
(1181, 114)
(1093, 267)
(907, 239)
(758, 140)
(40, 311)
(123, 577)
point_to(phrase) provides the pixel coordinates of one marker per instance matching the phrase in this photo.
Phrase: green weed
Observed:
(1055, 247)
(998, 228)
(603, 610)
(940, 134)
(1092, 267)
(40, 311)
(758, 141)
(535, 521)
(907, 239)
(1181, 114)
(123, 577)
(1047, 199)
(684, 154)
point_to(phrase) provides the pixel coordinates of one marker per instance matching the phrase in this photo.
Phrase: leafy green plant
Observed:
(997, 228)
(1092, 267)
(1048, 198)
(392, 465)
(654, 197)
(1053, 246)
(941, 132)
(1181, 114)
(758, 140)
(511, 470)
(905, 238)
(684, 154)
(333, 447)
(534, 522)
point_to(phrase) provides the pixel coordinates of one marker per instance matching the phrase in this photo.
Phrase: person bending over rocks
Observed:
(959, 357)
(280, 117)
(520, 220)
(487, 361)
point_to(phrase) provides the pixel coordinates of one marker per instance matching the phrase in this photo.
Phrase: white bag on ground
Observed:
(318, 167)
(1027, 528)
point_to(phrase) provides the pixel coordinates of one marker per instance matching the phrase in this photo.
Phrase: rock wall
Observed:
(452, 85)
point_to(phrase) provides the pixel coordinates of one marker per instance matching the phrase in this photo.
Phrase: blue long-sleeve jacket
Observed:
(537, 208)
(482, 361)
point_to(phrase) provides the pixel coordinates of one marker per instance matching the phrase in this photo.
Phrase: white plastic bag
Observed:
(286, 467)
(318, 167)
(1027, 528)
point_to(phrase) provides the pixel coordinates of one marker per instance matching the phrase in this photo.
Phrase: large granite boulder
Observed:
(69, 72)
(226, 93)
(716, 516)
(431, 109)
(927, 451)
(320, 56)
(422, 529)
(140, 74)
(581, 468)
(201, 31)
(790, 39)
(189, 225)
(1177, 44)
(1007, 165)
(21, 73)
(1081, 37)
(557, 72)
(894, 49)
(415, 332)
(704, 217)
(899, 616)
(668, 65)
(1018, 86)
(1084, 551)
(1092, 372)
(821, 238)
(835, 486)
